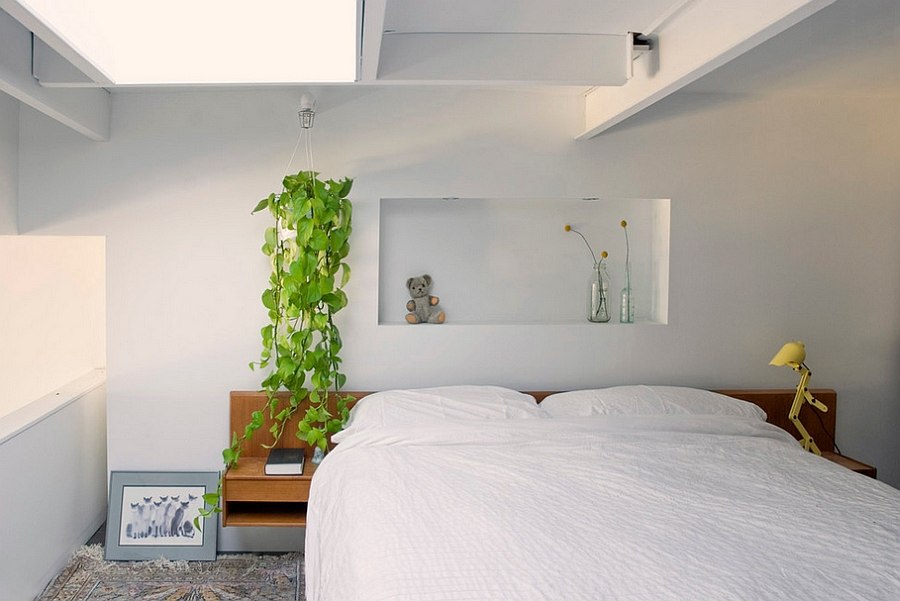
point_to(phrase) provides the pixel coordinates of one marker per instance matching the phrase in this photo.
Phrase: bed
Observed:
(627, 493)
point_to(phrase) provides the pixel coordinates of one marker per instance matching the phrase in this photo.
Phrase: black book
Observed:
(285, 462)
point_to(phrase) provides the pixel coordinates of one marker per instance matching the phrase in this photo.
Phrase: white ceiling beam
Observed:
(53, 71)
(55, 40)
(703, 36)
(509, 58)
(85, 111)
(371, 30)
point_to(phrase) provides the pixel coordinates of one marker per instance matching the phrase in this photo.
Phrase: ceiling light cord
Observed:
(287, 167)
(309, 151)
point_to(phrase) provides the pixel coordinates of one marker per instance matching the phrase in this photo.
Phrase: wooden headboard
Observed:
(775, 402)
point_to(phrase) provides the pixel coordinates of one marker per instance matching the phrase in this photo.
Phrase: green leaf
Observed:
(319, 321)
(313, 295)
(261, 205)
(268, 331)
(337, 238)
(268, 299)
(318, 240)
(271, 236)
(304, 231)
(346, 185)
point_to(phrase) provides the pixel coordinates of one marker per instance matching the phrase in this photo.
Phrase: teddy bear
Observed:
(422, 307)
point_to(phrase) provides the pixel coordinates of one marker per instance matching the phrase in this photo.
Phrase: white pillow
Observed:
(428, 405)
(647, 400)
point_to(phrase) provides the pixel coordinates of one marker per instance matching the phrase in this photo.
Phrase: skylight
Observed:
(158, 42)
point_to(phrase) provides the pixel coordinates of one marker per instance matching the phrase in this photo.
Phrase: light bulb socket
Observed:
(307, 116)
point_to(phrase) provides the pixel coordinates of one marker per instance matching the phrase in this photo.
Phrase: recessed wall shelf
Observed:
(508, 261)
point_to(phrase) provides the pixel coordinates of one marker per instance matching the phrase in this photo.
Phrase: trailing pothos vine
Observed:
(301, 344)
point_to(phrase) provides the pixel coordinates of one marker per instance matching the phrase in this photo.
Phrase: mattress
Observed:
(615, 507)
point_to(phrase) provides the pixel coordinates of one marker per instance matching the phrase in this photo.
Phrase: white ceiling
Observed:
(849, 48)
(581, 45)
(177, 42)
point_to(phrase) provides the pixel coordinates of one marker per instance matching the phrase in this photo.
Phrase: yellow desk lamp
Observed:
(794, 354)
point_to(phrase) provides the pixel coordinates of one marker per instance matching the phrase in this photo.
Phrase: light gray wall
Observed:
(783, 225)
(9, 163)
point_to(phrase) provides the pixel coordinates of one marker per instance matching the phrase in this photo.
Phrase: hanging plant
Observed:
(306, 246)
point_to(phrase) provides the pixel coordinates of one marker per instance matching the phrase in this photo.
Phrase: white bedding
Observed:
(606, 507)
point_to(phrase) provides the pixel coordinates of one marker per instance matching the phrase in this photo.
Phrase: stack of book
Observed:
(285, 462)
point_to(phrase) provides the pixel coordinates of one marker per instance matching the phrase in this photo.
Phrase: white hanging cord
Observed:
(309, 152)
(293, 154)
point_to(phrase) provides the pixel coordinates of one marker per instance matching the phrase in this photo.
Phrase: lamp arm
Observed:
(804, 396)
(813, 400)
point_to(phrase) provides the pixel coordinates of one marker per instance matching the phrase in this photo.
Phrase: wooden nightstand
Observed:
(251, 498)
(851, 464)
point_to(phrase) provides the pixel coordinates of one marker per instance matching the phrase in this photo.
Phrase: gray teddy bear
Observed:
(422, 307)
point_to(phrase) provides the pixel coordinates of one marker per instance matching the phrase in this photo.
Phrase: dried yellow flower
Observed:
(604, 254)
(568, 228)
(624, 223)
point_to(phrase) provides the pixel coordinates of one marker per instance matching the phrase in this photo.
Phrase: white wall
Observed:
(783, 225)
(9, 163)
(52, 314)
(54, 483)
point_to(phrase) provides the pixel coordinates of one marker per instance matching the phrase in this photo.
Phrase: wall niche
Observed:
(510, 261)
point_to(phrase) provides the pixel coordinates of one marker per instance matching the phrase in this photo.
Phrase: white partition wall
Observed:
(53, 469)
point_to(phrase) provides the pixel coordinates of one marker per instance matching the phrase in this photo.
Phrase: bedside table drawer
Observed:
(268, 489)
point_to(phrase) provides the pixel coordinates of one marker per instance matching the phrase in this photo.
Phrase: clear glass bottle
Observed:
(626, 308)
(598, 300)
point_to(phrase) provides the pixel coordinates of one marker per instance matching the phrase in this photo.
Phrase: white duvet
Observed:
(607, 508)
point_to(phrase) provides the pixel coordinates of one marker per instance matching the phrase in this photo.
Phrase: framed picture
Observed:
(151, 515)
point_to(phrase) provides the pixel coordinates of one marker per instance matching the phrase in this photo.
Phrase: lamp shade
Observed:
(792, 353)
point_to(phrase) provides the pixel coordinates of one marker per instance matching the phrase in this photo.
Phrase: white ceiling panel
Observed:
(173, 42)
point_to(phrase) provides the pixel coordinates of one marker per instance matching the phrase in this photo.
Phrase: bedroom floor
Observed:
(237, 577)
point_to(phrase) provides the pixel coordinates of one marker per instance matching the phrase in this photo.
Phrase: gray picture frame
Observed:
(151, 515)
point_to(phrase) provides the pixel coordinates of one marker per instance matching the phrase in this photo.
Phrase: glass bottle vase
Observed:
(626, 308)
(598, 299)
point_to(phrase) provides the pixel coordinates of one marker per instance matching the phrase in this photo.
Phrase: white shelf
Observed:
(569, 322)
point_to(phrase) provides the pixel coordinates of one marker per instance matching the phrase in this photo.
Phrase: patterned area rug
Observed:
(87, 577)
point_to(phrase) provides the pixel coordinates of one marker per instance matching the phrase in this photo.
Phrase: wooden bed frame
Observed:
(250, 498)
(775, 402)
